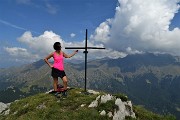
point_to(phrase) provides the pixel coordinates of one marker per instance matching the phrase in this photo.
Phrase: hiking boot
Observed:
(57, 93)
(52, 92)
(64, 93)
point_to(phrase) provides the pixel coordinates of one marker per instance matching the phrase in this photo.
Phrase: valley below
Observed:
(150, 80)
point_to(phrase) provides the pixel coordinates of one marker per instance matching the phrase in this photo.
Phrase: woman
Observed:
(58, 66)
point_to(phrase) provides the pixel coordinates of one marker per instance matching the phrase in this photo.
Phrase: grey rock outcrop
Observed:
(124, 108)
(4, 108)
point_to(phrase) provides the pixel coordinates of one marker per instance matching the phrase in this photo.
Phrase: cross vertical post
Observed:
(85, 52)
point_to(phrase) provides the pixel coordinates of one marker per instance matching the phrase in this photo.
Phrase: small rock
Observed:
(93, 92)
(95, 102)
(110, 114)
(7, 112)
(105, 98)
(124, 109)
(83, 105)
(42, 106)
(3, 107)
(103, 113)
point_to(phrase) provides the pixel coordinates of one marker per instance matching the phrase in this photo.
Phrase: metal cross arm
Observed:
(85, 52)
(83, 48)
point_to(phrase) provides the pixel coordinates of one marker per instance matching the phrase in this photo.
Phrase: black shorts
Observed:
(57, 73)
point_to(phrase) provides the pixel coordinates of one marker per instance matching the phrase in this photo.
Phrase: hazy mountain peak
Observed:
(38, 64)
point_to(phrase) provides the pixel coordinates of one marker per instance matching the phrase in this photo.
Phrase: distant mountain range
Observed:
(152, 80)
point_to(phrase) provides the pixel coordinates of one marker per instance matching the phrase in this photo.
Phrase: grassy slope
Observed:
(48, 107)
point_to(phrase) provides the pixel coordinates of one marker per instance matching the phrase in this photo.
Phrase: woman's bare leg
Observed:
(65, 80)
(55, 83)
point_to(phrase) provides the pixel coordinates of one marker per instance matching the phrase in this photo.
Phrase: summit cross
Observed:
(85, 52)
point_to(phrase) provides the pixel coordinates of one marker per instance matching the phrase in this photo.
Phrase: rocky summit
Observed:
(77, 105)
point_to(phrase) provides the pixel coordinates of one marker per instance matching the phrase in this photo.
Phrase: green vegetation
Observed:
(109, 106)
(143, 114)
(123, 97)
(47, 107)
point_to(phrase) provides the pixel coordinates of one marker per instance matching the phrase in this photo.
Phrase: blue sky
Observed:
(28, 28)
(61, 16)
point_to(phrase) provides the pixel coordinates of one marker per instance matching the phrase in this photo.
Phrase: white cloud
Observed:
(37, 47)
(72, 35)
(21, 54)
(102, 33)
(130, 51)
(42, 44)
(110, 53)
(12, 25)
(142, 25)
(15, 26)
(138, 25)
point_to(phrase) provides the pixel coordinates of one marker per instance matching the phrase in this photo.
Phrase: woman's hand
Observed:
(76, 51)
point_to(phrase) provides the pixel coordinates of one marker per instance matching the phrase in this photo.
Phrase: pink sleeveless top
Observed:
(58, 61)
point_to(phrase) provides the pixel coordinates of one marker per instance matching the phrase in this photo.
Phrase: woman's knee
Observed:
(65, 79)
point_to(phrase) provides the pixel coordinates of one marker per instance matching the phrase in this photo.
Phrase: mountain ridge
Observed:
(148, 79)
